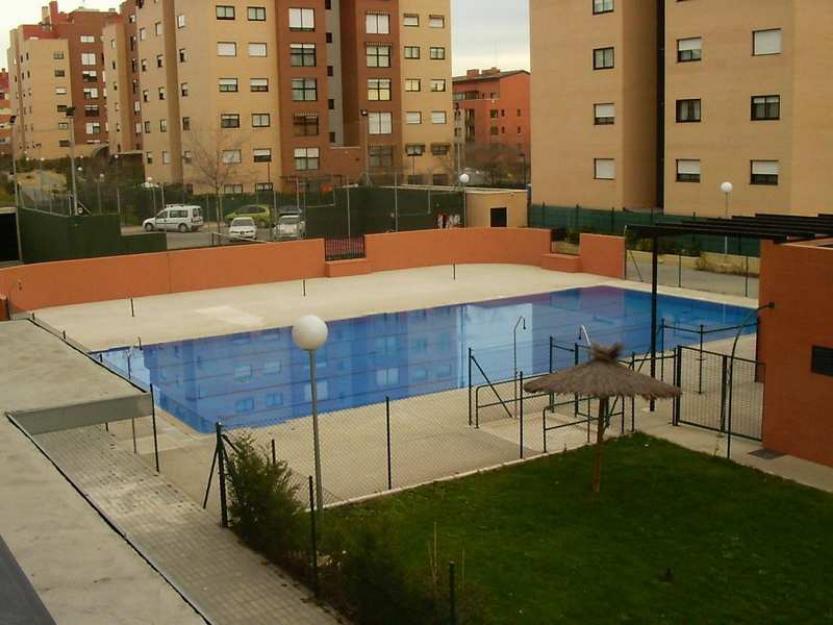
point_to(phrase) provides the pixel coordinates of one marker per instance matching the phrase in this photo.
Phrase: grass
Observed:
(675, 537)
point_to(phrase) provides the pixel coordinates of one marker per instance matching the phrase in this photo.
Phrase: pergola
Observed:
(762, 227)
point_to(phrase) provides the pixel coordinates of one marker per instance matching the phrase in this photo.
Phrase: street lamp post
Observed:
(12, 120)
(464, 180)
(149, 184)
(98, 182)
(726, 188)
(309, 333)
(71, 117)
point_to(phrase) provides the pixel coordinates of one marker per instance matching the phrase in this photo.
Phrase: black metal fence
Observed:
(344, 249)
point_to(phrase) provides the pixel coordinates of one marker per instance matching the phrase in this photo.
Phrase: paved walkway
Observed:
(230, 583)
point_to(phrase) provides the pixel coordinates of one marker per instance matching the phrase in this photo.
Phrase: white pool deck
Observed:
(430, 435)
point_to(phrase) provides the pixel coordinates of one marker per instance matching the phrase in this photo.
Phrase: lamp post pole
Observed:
(309, 333)
(14, 164)
(727, 188)
(464, 180)
(98, 182)
(71, 117)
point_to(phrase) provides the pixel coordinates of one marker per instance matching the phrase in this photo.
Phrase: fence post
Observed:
(452, 593)
(544, 428)
(274, 454)
(153, 423)
(552, 365)
(575, 361)
(387, 429)
(469, 364)
(723, 373)
(680, 270)
(132, 308)
(678, 381)
(700, 376)
(521, 416)
(313, 536)
(221, 464)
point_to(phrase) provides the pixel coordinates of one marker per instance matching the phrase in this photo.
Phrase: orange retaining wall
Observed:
(798, 404)
(30, 287)
(427, 248)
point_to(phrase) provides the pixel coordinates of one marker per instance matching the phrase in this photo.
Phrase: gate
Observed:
(719, 391)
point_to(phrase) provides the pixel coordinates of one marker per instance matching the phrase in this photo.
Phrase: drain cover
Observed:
(766, 454)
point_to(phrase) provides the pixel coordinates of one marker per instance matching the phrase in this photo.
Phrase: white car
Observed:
(243, 228)
(290, 227)
(180, 217)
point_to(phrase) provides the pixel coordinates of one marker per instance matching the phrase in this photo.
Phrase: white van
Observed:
(179, 217)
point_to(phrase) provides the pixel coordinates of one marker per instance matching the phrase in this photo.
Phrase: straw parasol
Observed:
(603, 377)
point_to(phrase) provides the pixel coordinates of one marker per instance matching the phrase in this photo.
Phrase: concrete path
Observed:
(83, 571)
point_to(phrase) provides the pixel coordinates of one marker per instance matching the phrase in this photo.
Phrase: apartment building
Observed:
(56, 65)
(492, 108)
(241, 96)
(734, 93)
(5, 115)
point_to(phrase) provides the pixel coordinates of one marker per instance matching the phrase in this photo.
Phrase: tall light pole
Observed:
(464, 180)
(726, 188)
(71, 117)
(12, 120)
(309, 333)
(98, 182)
(149, 184)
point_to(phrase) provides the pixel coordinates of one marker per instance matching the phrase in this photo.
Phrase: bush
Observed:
(263, 508)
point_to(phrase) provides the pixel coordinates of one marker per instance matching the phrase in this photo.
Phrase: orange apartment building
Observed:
(657, 103)
(492, 107)
(5, 115)
(235, 96)
(55, 65)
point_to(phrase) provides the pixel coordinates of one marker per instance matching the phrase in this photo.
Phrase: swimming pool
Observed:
(259, 378)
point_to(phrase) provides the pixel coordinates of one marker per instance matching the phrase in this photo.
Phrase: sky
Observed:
(486, 32)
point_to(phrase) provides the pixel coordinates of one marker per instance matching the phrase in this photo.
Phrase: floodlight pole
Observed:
(654, 284)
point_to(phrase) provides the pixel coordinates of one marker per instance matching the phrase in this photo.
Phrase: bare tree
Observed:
(215, 161)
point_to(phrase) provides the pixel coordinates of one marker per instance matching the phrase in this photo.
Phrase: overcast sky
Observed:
(486, 32)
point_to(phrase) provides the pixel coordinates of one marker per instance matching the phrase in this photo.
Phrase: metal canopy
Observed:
(775, 227)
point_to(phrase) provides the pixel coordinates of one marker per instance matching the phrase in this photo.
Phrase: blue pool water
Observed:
(259, 378)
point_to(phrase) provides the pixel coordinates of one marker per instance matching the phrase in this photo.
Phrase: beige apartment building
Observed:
(55, 68)
(242, 96)
(735, 94)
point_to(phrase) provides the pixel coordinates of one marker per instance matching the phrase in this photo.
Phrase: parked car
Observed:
(181, 217)
(261, 214)
(243, 228)
(290, 227)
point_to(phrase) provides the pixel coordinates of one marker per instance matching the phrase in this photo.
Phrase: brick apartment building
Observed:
(55, 65)
(5, 115)
(492, 107)
(239, 94)
(656, 103)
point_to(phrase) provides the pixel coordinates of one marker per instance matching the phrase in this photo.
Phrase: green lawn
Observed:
(741, 546)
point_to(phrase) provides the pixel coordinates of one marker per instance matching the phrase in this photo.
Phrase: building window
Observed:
(162, 93)
(604, 114)
(183, 55)
(257, 14)
(304, 89)
(381, 156)
(180, 21)
(307, 159)
(378, 89)
(603, 58)
(257, 49)
(225, 12)
(163, 125)
(438, 85)
(305, 124)
(149, 158)
(166, 157)
(439, 117)
(688, 111)
(259, 85)
(688, 170)
(766, 42)
(689, 50)
(411, 52)
(233, 189)
(261, 120)
(377, 24)
(436, 53)
(410, 19)
(88, 58)
(87, 39)
(301, 19)
(58, 56)
(604, 169)
(436, 21)
(226, 48)
(229, 120)
(413, 85)
(228, 85)
(602, 6)
(765, 172)
(378, 56)
(440, 149)
(187, 157)
(413, 117)
(302, 55)
(231, 157)
(414, 149)
(183, 89)
(766, 107)
(262, 155)
(186, 123)
(379, 123)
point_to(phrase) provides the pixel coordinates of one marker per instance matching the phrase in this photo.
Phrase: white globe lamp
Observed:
(465, 179)
(310, 333)
(727, 187)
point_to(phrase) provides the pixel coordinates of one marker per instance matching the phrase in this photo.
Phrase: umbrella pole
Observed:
(600, 437)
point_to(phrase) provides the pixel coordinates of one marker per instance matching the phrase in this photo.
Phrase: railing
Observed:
(344, 249)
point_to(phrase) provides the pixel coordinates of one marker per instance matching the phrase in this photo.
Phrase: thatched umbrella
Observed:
(603, 377)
